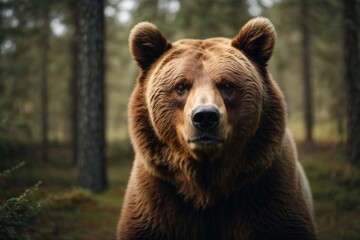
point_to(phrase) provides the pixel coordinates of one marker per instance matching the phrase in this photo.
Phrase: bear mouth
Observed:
(206, 140)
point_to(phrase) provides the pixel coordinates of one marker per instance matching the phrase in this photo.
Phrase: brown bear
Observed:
(213, 157)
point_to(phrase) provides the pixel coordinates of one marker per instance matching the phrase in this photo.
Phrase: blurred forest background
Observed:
(57, 57)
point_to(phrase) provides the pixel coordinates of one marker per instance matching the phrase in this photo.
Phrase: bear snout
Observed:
(204, 128)
(205, 117)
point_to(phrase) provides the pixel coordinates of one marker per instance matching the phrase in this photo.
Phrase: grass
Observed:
(72, 213)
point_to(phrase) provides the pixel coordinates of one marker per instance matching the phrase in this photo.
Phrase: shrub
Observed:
(18, 213)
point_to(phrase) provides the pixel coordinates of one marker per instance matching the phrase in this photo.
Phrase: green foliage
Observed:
(18, 213)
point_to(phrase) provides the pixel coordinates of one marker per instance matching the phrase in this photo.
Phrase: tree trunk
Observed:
(91, 106)
(44, 83)
(74, 81)
(352, 77)
(306, 72)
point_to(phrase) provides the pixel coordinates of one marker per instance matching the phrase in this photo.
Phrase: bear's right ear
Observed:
(147, 44)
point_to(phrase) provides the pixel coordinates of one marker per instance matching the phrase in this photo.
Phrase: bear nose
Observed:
(205, 117)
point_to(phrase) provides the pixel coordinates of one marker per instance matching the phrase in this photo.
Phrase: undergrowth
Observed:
(17, 214)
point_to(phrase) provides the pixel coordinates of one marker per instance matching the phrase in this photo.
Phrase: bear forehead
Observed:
(201, 48)
(203, 44)
(215, 56)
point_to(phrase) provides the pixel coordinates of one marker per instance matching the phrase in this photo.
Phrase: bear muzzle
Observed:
(205, 120)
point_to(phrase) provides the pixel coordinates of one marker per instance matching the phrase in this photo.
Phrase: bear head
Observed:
(205, 115)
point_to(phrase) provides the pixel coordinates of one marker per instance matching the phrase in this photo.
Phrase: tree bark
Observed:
(91, 107)
(352, 77)
(44, 83)
(306, 72)
(74, 81)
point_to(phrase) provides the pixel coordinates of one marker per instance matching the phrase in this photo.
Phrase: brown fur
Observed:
(248, 185)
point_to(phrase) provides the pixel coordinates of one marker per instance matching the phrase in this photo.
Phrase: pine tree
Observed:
(352, 76)
(91, 102)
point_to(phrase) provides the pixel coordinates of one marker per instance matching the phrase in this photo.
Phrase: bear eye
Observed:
(227, 87)
(181, 88)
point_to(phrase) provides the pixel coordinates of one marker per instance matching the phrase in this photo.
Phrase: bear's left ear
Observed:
(256, 39)
(147, 44)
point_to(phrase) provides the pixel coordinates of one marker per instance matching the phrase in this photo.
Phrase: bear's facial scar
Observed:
(200, 93)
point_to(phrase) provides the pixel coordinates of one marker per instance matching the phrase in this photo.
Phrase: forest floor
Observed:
(71, 213)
